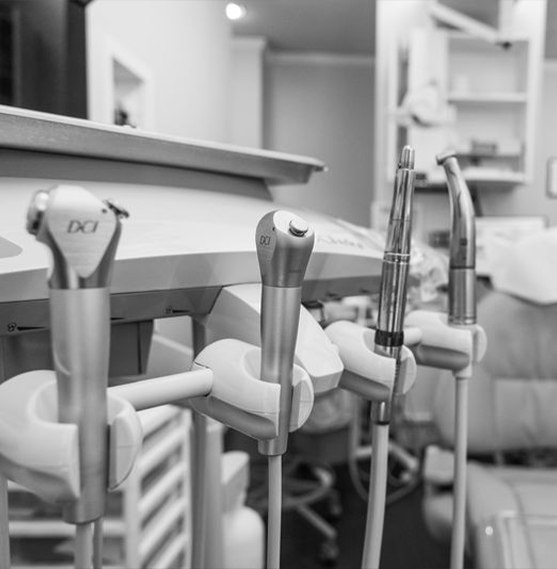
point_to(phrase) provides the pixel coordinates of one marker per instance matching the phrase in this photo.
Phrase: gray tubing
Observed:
(377, 496)
(274, 512)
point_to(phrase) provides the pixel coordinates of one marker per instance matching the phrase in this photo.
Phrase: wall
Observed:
(533, 200)
(181, 49)
(392, 22)
(246, 109)
(322, 106)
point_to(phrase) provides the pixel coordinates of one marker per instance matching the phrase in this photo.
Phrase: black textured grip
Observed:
(389, 339)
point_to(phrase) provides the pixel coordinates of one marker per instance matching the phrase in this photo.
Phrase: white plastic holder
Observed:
(443, 345)
(367, 374)
(314, 351)
(455, 347)
(162, 390)
(41, 454)
(240, 399)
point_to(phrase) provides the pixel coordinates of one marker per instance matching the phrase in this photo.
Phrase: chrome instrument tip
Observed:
(407, 157)
(441, 157)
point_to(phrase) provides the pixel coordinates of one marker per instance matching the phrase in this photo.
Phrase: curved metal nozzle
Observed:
(443, 156)
(463, 230)
(462, 261)
(82, 233)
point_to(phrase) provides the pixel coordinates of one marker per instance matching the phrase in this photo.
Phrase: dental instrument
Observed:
(461, 314)
(82, 233)
(454, 341)
(389, 339)
(173, 258)
(314, 352)
(284, 243)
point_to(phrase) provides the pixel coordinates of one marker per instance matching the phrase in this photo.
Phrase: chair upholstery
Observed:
(512, 406)
(513, 394)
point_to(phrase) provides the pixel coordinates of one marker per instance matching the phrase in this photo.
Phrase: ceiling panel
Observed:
(347, 26)
(331, 26)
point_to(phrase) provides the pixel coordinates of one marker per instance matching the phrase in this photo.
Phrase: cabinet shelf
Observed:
(487, 96)
(479, 154)
(467, 42)
(489, 177)
(502, 98)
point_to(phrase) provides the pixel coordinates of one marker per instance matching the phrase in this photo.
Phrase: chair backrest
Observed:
(513, 394)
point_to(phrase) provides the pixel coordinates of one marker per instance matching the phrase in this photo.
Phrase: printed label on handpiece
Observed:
(266, 241)
(88, 226)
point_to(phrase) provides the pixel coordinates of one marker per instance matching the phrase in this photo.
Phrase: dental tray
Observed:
(193, 205)
(57, 135)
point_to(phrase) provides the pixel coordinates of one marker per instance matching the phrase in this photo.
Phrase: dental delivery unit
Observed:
(121, 233)
(189, 241)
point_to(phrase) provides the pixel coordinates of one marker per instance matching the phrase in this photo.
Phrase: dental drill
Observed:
(454, 341)
(284, 243)
(82, 234)
(389, 339)
(461, 314)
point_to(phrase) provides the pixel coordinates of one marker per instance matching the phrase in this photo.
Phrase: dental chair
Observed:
(512, 444)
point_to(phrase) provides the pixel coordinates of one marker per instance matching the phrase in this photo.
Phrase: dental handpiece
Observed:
(82, 234)
(284, 244)
(461, 313)
(462, 262)
(389, 338)
(389, 335)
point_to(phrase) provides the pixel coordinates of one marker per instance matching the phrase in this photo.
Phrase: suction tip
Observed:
(445, 156)
(407, 157)
(36, 211)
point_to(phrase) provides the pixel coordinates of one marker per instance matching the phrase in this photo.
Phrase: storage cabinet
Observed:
(486, 96)
(148, 521)
(488, 86)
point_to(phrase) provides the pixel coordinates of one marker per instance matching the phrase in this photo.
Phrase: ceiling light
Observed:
(235, 11)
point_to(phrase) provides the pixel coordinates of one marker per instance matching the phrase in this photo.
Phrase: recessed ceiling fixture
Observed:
(235, 11)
